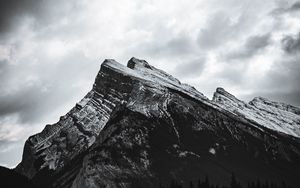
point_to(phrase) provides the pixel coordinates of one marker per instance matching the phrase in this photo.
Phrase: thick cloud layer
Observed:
(291, 44)
(252, 46)
(50, 52)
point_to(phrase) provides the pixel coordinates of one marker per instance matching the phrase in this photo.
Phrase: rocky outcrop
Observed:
(277, 116)
(141, 126)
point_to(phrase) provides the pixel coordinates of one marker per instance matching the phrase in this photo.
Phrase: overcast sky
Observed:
(51, 51)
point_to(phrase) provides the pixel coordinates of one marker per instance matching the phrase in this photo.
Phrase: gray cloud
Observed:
(252, 46)
(284, 81)
(216, 32)
(291, 44)
(50, 52)
(221, 28)
(14, 13)
(38, 13)
(286, 8)
(42, 90)
(172, 45)
(22, 102)
(192, 68)
(232, 75)
(295, 7)
(13, 10)
(177, 45)
(283, 94)
(257, 42)
(10, 152)
(281, 82)
(289, 97)
(287, 70)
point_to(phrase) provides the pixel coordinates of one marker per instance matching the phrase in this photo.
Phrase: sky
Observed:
(51, 51)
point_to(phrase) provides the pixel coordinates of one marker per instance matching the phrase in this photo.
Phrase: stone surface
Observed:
(273, 115)
(139, 125)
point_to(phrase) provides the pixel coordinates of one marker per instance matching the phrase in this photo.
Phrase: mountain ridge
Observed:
(101, 125)
(280, 116)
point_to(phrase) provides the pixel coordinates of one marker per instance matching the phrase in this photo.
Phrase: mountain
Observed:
(273, 115)
(11, 179)
(141, 127)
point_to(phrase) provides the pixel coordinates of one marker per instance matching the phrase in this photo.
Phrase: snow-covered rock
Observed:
(273, 115)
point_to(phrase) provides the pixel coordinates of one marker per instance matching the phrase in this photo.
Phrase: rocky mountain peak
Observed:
(139, 123)
(135, 63)
(226, 99)
(222, 93)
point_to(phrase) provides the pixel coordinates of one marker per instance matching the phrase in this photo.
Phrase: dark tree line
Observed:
(234, 183)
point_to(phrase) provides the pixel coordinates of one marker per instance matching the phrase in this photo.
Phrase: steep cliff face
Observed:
(57, 144)
(141, 126)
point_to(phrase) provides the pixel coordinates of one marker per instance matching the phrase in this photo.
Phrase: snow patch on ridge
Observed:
(141, 70)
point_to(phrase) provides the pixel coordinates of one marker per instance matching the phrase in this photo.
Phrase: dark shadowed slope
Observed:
(10, 179)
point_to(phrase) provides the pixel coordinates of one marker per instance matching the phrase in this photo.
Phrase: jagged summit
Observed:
(139, 123)
(273, 115)
(280, 105)
(141, 70)
(133, 63)
(221, 95)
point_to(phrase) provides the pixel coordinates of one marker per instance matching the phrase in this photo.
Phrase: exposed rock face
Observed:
(139, 125)
(273, 115)
(58, 144)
